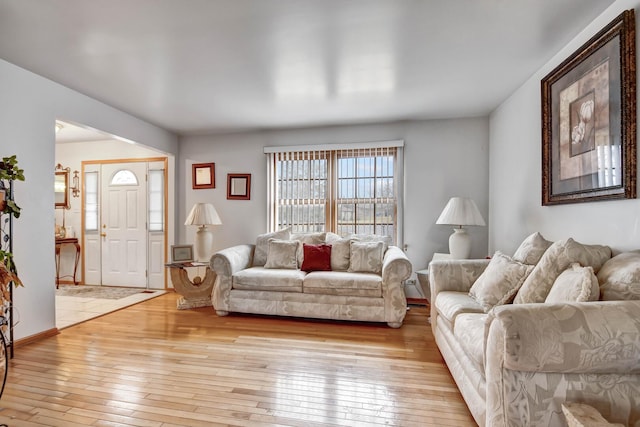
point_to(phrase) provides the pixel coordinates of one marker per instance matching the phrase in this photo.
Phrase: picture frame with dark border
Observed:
(203, 175)
(239, 186)
(589, 119)
(181, 253)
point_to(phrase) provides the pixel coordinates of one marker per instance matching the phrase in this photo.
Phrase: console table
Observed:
(59, 243)
(193, 294)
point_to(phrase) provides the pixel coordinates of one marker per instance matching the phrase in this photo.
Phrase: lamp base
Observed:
(203, 244)
(459, 244)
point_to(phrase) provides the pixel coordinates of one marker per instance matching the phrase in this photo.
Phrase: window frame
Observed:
(331, 208)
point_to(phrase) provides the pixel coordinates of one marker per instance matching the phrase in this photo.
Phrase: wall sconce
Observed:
(75, 188)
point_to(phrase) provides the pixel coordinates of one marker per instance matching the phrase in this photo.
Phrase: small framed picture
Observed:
(239, 186)
(203, 175)
(181, 253)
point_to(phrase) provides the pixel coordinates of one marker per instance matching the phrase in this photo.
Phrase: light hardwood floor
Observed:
(153, 365)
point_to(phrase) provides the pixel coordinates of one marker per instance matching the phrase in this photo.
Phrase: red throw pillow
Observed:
(316, 257)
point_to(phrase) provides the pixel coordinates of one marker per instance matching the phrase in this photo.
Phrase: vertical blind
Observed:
(356, 189)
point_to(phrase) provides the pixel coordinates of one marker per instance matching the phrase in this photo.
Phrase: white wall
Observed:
(516, 182)
(29, 106)
(443, 158)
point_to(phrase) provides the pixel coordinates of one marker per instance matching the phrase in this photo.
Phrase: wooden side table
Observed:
(69, 241)
(193, 294)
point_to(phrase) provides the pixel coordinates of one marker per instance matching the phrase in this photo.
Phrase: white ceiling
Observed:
(204, 66)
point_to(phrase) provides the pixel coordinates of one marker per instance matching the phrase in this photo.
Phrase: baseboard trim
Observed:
(36, 337)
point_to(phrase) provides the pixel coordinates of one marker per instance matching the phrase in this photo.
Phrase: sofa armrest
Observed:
(396, 267)
(225, 263)
(454, 275)
(588, 337)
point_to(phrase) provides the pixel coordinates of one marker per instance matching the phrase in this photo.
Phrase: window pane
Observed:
(91, 201)
(156, 200)
(124, 177)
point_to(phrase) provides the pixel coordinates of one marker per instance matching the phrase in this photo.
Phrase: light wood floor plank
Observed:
(151, 365)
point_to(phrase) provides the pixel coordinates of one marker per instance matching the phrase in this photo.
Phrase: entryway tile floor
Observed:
(73, 310)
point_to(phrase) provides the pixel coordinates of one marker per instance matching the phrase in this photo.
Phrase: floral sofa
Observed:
(555, 323)
(314, 275)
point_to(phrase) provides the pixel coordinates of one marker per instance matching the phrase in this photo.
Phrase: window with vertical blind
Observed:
(354, 188)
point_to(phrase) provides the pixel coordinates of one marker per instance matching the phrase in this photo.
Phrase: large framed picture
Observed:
(203, 175)
(589, 120)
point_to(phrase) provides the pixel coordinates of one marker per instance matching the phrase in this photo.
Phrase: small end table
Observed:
(193, 294)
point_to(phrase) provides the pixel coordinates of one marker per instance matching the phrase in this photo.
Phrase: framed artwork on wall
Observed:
(239, 186)
(589, 120)
(203, 175)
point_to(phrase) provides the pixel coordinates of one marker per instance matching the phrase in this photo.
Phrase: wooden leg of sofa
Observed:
(221, 313)
(394, 324)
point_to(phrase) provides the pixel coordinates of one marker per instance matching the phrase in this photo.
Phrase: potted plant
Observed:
(9, 172)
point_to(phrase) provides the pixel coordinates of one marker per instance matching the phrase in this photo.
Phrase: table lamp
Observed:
(460, 211)
(203, 214)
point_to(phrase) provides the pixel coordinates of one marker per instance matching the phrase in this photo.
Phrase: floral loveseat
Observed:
(316, 275)
(571, 334)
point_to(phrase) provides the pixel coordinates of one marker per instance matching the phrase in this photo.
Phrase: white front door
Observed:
(123, 232)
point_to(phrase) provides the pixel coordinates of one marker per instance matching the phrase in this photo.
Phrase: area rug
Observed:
(100, 292)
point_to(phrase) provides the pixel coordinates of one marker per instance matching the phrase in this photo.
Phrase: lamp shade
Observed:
(460, 211)
(203, 214)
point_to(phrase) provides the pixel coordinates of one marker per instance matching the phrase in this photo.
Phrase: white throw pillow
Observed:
(620, 277)
(366, 257)
(340, 254)
(555, 260)
(499, 282)
(262, 245)
(282, 254)
(575, 284)
(531, 249)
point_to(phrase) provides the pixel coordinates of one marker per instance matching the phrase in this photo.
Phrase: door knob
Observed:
(103, 234)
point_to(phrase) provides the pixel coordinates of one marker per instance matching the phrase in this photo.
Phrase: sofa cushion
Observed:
(366, 257)
(575, 284)
(499, 282)
(316, 257)
(262, 245)
(264, 279)
(555, 260)
(387, 240)
(619, 277)
(470, 331)
(531, 249)
(343, 283)
(282, 254)
(450, 304)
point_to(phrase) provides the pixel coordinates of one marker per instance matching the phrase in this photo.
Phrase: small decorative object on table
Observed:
(196, 293)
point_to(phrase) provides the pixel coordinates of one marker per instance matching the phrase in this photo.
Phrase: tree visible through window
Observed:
(344, 191)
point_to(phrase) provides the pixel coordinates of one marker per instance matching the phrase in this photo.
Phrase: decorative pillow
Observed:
(531, 249)
(620, 278)
(316, 257)
(554, 261)
(340, 254)
(499, 282)
(366, 257)
(575, 284)
(262, 245)
(282, 254)
(308, 238)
